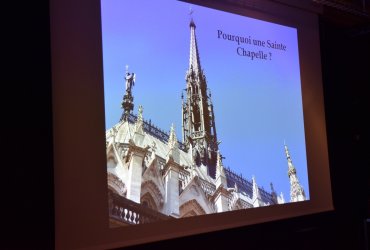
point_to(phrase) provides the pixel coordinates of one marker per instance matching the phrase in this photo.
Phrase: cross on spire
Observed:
(191, 11)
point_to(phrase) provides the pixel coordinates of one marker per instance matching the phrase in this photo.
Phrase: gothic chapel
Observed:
(152, 176)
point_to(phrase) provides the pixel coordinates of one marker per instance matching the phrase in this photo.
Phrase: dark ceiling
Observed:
(353, 16)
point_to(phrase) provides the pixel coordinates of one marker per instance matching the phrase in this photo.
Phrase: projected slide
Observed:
(203, 112)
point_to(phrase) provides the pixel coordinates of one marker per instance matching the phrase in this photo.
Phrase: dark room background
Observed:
(27, 184)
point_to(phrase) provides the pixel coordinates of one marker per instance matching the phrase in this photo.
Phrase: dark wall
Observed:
(346, 76)
(27, 192)
(26, 128)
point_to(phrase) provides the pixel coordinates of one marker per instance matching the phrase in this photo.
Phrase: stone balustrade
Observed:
(129, 212)
(207, 187)
(150, 128)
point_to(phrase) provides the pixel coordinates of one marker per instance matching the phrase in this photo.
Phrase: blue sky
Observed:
(257, 103)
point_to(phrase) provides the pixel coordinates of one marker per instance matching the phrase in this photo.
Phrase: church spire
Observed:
(194, 61)
(198, 121)
(296, 190)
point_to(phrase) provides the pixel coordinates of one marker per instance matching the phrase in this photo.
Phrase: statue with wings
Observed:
(130, 80)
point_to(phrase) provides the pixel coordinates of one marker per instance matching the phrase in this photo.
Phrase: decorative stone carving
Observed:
(173, 152)
(139, 121)
(191, 208)
(147, 200)
(116, 184)
(172, 141)
(153, 148)
(150, 187)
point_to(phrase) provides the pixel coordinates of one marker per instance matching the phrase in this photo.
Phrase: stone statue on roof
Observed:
(130, 80)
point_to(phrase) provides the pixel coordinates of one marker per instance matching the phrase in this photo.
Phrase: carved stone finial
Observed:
(140, 113)
(255, 188)
(173, 152)
(172, 140)
(139, 121)
(154, 148)
(219, 159)
(281, 197)
(219, 165)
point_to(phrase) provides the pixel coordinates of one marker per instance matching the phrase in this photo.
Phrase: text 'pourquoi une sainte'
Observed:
(249, 40)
